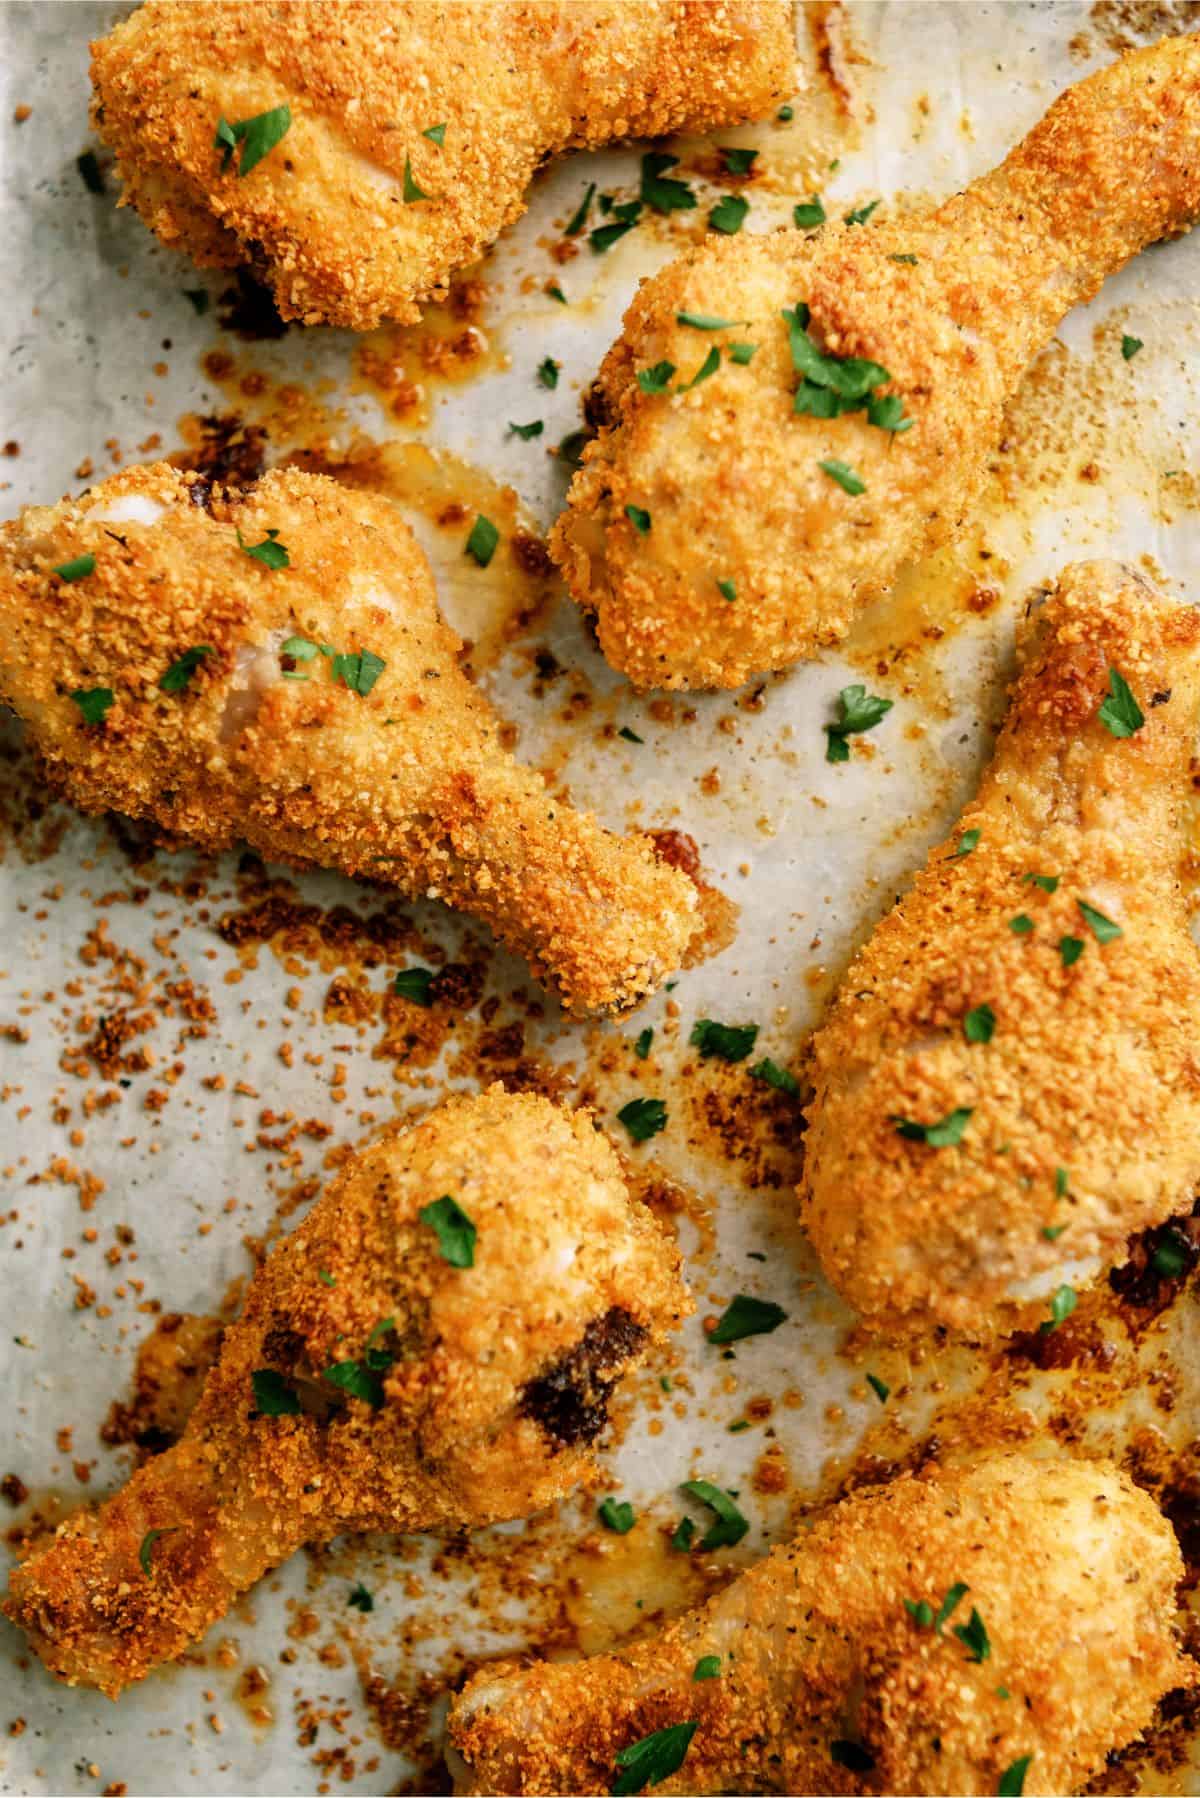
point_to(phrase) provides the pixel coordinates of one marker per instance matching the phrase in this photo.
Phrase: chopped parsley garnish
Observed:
(453, 1228)
(809, 214)
(1070, 948)
(973, 1635)
(641, 1047)
(1062, 1180)
(860, 214)
(325, 1277)
(681, 1536)
(851, 1755)
(436, 134)
(258, 137)
(273, 1397)
(1012, 1780)
(730, 1526)
(832, 385)
(704, 321)
(527, 431)
(630, 736)
(664, 195)
(745, 1316)
(1130, 346)
(1047, 882)
(1052, 1232)
(1120, 713)
(653, 1759)
(730, 1042)
(359, 670)
(728, 591)
(198, 297)
(953, 1597)
(360, 1379)
(89, 172)
(707, 1667)
(1062, 1304)
(412, 192)
(771, 1074)
(946, 1134)
(1171, 1256)
(415, 984)
(77, 569)
(886, 412)
(361, 1599)
(1102, 928)
(921, 1612)
(860, 711)
(93, 702)
(481, 544)
(270, 553)
(605, 236)
(579, 216)
(300, 649)
(180, 673)
(643, 1118)
(147, 1548)
(656, 379)
(708, 367)
(879, 1387)
(547, 372)
(968, 841)
(737, 161)
(897, 256)
(979, 1025)
(639, 518)
(555, 292)
(571, 449)
(1021, 925)
(843, 474)
(785, 115)
(729, 214)
(741, 353)
(617, 1516)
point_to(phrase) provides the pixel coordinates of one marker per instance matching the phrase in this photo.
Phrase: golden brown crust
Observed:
(323, 218)
(407, 784)
(490, 1380)
(731, 475)
(1093, 1067)
(1071, 1569)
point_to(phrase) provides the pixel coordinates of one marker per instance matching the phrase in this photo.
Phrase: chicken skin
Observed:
(722, 528)
(270, 665)
(432, 1349)
(1007, 1084)
(409, 134)
(924, 1637)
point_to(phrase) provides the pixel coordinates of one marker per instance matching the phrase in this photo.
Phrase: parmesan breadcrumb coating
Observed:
(389, 767)
(823, 1680)
(1040, 983)
(372, 1383)
(415, 129)
(948, 304)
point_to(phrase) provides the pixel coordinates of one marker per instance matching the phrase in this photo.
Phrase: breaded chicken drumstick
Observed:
(370, 151)
(432, 1349)
(1007, 1084)
(721, 529)
(271, 665)
(931, 1636)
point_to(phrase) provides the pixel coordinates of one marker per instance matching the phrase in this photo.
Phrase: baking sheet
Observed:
(142, 1166)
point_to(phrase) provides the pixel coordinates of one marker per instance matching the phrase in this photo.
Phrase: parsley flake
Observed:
(605, 236)
(664, 195)
(359, 671)
(921, 1612)
(1120, 713)
(643, 1118)
(180, 673)
(809, 214)
(412, 193)
(1070, 948)
(745, 1316)
(730, 1526)
(359, 1597)
(656, 379)
(681, 1536)
(1102, 928)
(707, 1667)
(1021, 925)
(979, 1025)
(273, 1397)
(481, 544)
(436, 134)
(973, 1634)
(730, 1042)
(708, 367)
(270, 553)
(617, 1516)
(1012, 1780)
(860, 711)
(198, 298)
(547, 372)
(77, 569)
(728, 591)
(771, 1074)
(737, 161)
(1130, 346)
(415, 984)
(1047, 882)
(653, 1759)
(453, 1228)
(639, 518)
(93, 702)
(325, 1277)
(704, 321)
(527, 431)
(258, 136)
(861, 214)
(146, 1551)
(911, 261)
(879, 1387)
(1062, 1304)
(946, 1134)
(579, 216)
(968, 841)
(630, 736)
(641, 1047)
(729, 214)
(843, 474)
